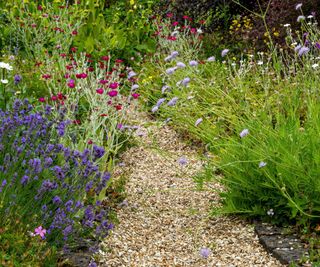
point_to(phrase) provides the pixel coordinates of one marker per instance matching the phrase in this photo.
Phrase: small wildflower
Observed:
(154, 109)
(173, 101)
(262, 164)
(40, 231)
(4, 81)
(164, 88)
(260, 62)
(301, 18)
(270, 212)
(303, 50)
(182, 161)
(168, 58)
(193, 63)
(185, 81)
(134, 87)
(244, 133)
(160, 101)
(211, 59)
(298, 6)
(198, 121)
(131, 74)
(224, 52)
(314, 66)
(5, 66)
(286, 25)
(174, 54)
(205, 252)
(181, 65)
(170, 70)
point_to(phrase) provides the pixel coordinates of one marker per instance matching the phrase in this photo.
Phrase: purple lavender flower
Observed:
(173, 101)
(24, 180)
(92, 264)
(56, 200)
(205, 252)
(317, 45)
(98, 152)
(17, 79)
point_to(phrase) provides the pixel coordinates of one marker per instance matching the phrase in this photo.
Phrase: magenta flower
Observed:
(40, 231)
(135, 95)
(113, 93)
(41, 99)
(71, 83)
(113, 85)
(99, 91)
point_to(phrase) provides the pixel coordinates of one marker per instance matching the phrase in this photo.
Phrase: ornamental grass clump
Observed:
(44, 183)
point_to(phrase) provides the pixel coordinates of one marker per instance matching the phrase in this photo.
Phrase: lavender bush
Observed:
(43, 183)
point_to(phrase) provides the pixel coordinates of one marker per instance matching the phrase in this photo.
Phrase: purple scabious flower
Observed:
(262, 164)
(164, 88)
(303, 51)
(185, 81)
(154, 109)
(134, 87)
(198, 121)
(160, 101)
(170, 71)
(24, 180)
(131, 74)
(193, 63)
(211, 59)
(244, 133)
(205, 252)
(173, 101)
(56, 200)
(182, 161)
(98, 152)
(181, 65)
(224, 52)
(174, 54)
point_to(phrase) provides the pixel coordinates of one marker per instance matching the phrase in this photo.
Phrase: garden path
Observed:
(164, 219)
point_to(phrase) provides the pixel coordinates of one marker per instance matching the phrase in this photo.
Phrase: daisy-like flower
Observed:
(6, 66)
(298, 6)
(4, 81)
(40, 231)
(301, 18)
(244, 133)
(224, 52)
(286, 25)
(270, 212)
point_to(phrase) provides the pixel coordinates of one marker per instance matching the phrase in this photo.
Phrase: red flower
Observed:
(78, 75)
(74, 32)
(67, 75)
(73, 49)
(109, 102)
(63, 55)
(169, 15)
(135, 95)
(69, 67)
(41, 99)
(39, 8)
(103, 115)
(113, 93)
(54, 98)
(202, 22)
(37, 64)
(88, 55)
(90, 142)
(100, 91)
(175, 23)
(46, 76)
(84, 75)
(71, 83)
(113, 85)
(91, 69)
(172, 38)
(118, 107)
(193, 30)
(119, 60)
(103, 81)
(105, 58)
(77, 122)
(61, 96)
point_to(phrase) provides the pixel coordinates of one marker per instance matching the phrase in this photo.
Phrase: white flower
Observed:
(4, 81)
(168, 58)
(260, 62)
(270, 212)
(310, 17)
(314, 66)
(174, 33)
(6, 66)
(262, 164)
(298, 6)
(301, 18)
(286, 25)
(199, 31)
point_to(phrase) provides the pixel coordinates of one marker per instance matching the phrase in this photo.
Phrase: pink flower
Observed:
(175, 23)
(105, 58)
(74, 32)
(41, 99)
(103, 81)
(113, 93)
(71, 83)
(46, 76)
(100, 91)
(113, 85)
(135, 95)
(40, 231)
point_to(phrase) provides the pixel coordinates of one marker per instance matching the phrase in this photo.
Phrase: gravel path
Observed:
(164, 220)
